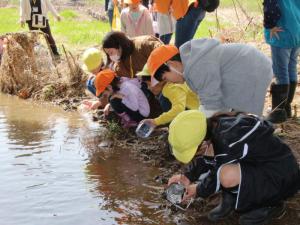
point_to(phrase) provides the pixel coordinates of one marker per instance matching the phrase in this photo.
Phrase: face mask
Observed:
(115, 58)
(175, 70)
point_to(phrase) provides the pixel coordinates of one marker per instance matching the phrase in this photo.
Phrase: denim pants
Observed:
(285, 64)
(186, 26)
(166, 38)
(90, 85)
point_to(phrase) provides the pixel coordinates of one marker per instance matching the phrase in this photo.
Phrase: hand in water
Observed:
(190, 193)
(179, 178)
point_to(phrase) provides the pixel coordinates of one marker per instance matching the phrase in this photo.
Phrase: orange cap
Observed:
(132, 1)
(103, 79)
(159, 56)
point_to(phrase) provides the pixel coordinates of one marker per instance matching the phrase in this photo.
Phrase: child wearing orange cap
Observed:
(136, 19)
(226, 77)
(125, 98)
(173, 98)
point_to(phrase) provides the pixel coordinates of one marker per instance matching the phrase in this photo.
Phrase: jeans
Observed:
(186, 26)
(110, 14)
(285, 64)
(166, 38)
(90, 85)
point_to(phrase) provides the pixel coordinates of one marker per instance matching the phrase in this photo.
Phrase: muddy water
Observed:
(53, 172)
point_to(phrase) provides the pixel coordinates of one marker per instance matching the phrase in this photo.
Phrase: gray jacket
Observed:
(227, 76)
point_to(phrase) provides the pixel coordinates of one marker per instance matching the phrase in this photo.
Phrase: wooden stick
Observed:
(69, 63)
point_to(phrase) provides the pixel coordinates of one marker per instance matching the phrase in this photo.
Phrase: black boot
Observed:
(225, 207)
(290, 98)
(279, 94)
(262, 216)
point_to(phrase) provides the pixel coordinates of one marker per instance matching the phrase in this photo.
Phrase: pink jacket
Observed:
(143, 26)
(134, 98)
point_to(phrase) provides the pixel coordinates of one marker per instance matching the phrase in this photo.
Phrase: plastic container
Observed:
(175, 193)
(144, 130)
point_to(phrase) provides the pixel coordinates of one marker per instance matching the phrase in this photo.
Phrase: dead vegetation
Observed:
(28, 69)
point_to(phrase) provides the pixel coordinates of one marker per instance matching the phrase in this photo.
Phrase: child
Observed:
(93, 63)
(136, 19)
(225, 76)
(253, 168)
(165, 21)
(174, 98)
(282, 33)
(125, 98)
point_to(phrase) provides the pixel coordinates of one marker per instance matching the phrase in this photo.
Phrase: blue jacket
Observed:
(284, 14)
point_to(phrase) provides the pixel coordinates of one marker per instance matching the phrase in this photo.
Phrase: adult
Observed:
(225, 76)
(241, 157)
(165, 22)
(282, 33)
(34, 13)
(128, 55)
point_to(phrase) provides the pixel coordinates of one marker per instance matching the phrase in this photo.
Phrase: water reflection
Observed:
(53, 172)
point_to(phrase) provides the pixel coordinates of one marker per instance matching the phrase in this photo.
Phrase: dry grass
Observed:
(28, 69)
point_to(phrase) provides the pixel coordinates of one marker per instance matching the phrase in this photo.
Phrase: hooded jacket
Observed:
(226, 76)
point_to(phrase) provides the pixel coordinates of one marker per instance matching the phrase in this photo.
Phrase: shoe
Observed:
(225, 207)
(279, 94)
(290, 98)
(262, 216)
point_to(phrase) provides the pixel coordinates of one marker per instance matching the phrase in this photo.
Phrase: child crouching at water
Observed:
(125, 98)
(252, 168)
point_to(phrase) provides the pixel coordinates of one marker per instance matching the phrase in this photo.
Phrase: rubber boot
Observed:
(279, 94)
(290, 98)
(262, 216)
(225, 207)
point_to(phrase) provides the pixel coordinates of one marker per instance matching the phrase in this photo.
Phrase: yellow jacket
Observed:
(181, 97)
(179, 7)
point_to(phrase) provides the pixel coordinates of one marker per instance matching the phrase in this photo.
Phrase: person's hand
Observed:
(22, 23)
(58, 18)
(190, 192)
(179, 178)
(151, 122)
(150, 8)
(92, 105)
(274, 32)
(106, 110)
(117, 96)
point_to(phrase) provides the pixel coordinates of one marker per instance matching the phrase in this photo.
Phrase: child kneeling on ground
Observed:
(255, 171)
(125, 98)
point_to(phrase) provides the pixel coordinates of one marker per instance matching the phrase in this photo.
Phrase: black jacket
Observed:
(243, 139)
